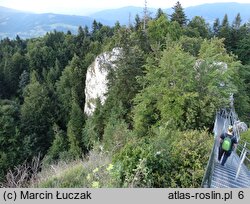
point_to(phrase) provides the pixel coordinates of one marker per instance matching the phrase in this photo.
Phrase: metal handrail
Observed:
(207, 178)
(243, 157)
(248, 158)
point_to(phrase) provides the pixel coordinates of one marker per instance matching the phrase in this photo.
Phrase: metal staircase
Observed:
(225, 176)
(235, 173)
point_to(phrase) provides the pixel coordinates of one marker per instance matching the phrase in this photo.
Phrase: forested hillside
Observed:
(155, 128)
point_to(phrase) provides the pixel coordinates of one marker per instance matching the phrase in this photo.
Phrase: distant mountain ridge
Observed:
(27, 25)
(208, 11)
(217, 10)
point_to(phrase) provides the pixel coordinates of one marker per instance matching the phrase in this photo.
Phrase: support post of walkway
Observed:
(244, 147)
(241, 162)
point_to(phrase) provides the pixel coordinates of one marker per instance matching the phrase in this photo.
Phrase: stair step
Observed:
(224, 176)
(218, 184)
(220, 171)
(228, 181)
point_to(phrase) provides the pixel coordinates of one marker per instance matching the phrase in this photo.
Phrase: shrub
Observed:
(169, 159)
(115, 136)
(140, 164)
(189, 154)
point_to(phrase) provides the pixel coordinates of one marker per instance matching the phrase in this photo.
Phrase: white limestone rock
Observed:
(96, 79)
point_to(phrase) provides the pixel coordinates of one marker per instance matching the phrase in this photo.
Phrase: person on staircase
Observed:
(228, 143)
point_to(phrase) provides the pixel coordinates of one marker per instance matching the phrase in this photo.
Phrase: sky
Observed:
(86, 7)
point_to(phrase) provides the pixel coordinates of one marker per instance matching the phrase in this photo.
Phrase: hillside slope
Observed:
(208, 11)
(28, 25)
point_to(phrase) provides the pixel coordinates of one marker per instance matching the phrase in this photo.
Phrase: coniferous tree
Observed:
(216, 26)
(72, 80)
(198, 27)
(58, 147)
(36, 118)
(74, 130)
(123, 86)
(236, 33)
(159, 13)
(237, 22)
(178, 15)
(23, 81)
(225, 32)
(138, 23)
(10, 140)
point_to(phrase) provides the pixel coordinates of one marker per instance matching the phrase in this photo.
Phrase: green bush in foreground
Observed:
(171, 159)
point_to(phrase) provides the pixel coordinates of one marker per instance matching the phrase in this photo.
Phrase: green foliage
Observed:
(94, 127)
(58, 146)
(185, 89)
(158, 29)
(191, 45)
(171, 159)
(74, 130)
(243, 49)
(40, 56)
(116, 134)
(178, 15)
(12, 71)
(166, 74)
(36, 118)
(71, 81)
(122, 81)
(165, 83)
(216, 27)
(131, 162)
(245, 136)
(159, 13)
(242, 98)
(10, 140)
(190, 152)
(225, 31)
(198, 27)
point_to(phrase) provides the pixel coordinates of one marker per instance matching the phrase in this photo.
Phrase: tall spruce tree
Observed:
(74, 130)
(237, 22)
(178, 15)
(36, 118)
(123, 84)
(225, 32)
(216, 27)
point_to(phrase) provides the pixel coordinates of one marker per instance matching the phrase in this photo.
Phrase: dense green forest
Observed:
(154, 129)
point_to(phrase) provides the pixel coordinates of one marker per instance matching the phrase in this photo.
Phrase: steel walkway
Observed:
(224, 176)
(235, 173)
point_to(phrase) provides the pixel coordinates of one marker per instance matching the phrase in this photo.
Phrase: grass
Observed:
(91, 172)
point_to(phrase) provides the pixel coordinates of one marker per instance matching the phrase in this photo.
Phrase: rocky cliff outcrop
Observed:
(96, 79)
